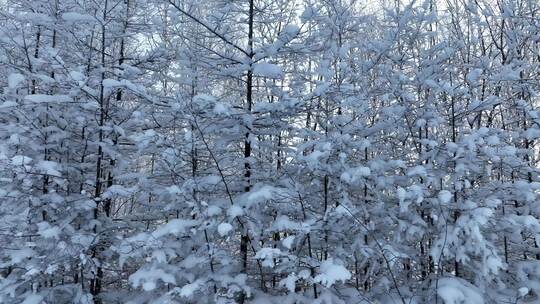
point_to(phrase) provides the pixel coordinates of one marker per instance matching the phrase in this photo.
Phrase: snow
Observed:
(37, 18)
(314, 158)
(458, 291)
(308, 13)
(321, 89)
(420, 122)
(404, 201)
(42, 98)
(19, 255)
(77, 76)
(267, 255)
(111, 83)
(213, 211)
(352, 138)
(288, 241)
(20, 160)
(473, 75)
(174, 227)
(118, 191)
(330, 273)
(74, 17)
(352, 175)
(192, 261)
(267, 70)
(49, 168)
(289, 282)
(47, 231)
(189, 289)
(148, 278)
(417, 170)
(203, 99)
(211, 180)
(291, 30)
(235, 211)
(174, 190)
(507, 74)
(7, 104)
(523, 291)
(224, 229)
(283, 223)
(221, 108)
(84, 240)
(493, 264)
(15, 80)
(263, 193)
(445, 196)
(33, 299)
(493, 140)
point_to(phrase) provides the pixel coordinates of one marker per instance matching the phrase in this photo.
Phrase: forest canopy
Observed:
(269, 151)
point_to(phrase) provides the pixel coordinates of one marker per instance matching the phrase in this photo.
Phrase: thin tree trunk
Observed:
(244, 239)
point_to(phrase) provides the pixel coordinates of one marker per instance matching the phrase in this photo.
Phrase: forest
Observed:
(269, 151)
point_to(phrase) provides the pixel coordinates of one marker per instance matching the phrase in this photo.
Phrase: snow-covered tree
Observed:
(269, 151)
